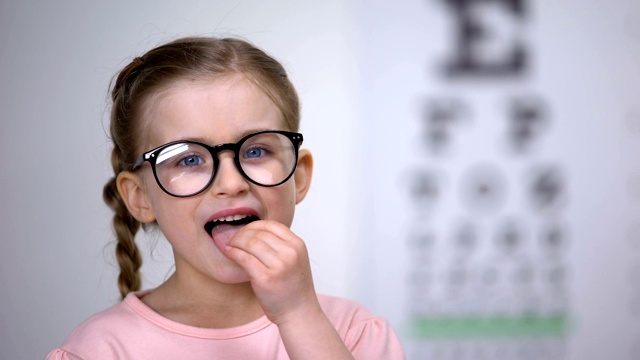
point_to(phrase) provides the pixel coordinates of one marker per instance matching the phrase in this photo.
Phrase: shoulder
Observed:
(93, 330)
(344, 312)
(349, 316)
(366, 335)
(100, 333)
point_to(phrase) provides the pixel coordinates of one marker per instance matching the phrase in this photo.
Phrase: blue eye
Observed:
(191, 160)
(254, 153)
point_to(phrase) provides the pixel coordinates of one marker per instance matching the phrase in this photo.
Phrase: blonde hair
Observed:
(182, 59)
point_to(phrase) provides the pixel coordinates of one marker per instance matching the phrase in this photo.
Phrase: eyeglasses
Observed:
(187, 168)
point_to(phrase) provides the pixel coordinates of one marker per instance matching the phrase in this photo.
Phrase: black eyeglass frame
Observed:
(151, 156)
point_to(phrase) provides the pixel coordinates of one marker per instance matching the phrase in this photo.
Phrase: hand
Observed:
(278, 264)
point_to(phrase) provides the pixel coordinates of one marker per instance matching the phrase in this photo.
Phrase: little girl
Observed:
(206, 148)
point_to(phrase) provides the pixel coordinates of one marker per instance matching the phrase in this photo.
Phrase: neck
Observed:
(204, 303)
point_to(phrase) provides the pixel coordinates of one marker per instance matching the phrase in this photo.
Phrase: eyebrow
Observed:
(242, 135)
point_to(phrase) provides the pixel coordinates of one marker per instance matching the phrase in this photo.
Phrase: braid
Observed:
(123, 129)
(126, 227)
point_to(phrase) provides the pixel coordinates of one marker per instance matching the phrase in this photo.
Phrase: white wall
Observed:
(56, 61)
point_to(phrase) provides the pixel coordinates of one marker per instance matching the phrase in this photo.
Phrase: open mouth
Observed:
(229, 220)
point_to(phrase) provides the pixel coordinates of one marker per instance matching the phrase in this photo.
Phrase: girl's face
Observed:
(212, 112)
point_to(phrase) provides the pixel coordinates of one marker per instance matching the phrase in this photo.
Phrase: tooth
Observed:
(231, 218)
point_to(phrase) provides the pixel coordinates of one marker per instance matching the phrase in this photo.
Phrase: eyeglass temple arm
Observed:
(141, 159)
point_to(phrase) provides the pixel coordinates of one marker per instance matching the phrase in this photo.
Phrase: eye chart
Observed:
(502, 204)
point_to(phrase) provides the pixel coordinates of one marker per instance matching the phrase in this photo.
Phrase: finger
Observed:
(261, 245)
(276, 254)
(284, 237)
(283, 241)
(251, 264)
(280, 230)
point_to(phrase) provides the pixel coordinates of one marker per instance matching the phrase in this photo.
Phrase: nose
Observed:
(228, 180)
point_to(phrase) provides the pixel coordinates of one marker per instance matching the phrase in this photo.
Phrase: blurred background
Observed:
(475, 181)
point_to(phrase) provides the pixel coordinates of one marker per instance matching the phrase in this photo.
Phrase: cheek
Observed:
(281, 203)
(177, 224)
(175, 216)
(149, 183)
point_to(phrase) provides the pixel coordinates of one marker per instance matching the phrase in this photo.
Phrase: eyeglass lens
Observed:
(186, 168)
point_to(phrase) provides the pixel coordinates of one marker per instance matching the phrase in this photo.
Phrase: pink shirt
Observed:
(131, 330)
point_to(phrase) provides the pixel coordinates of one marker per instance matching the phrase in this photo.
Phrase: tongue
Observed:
(222, 235)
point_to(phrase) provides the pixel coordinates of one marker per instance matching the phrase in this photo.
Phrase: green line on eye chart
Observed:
(453, 327)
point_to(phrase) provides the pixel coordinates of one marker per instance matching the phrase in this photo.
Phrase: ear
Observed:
(302, 176)
(132, 191)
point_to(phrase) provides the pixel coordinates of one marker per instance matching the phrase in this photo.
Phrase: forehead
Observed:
(214, 110)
